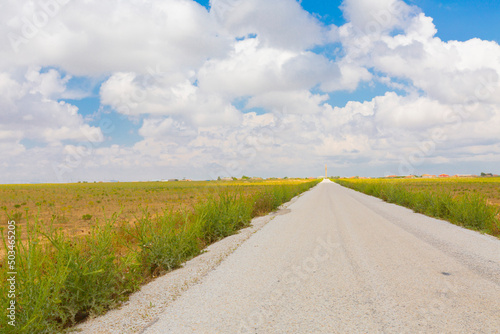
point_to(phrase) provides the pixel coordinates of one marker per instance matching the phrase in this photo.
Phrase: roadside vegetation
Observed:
(64, 277)
(473, 203)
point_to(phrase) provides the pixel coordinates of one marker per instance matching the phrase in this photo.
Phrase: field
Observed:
(76, 207)
(81, 249)
(469, 202)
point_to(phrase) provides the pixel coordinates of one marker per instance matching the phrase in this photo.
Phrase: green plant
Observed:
(469, 210)
(222, 216)
(16, 216)
(63, 279)
(40, 280)
(163, 245)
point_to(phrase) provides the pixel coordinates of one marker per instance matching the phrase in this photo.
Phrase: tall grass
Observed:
(163, 243)
(219, 218)
(62, 280)
(469, 210)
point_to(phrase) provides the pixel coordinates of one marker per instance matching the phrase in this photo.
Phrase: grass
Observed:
(76, 207)
(471, 203)
(63, 278)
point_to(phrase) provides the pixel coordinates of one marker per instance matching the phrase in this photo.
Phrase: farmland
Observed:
(470, 202)
(76, 207)
(83, 248)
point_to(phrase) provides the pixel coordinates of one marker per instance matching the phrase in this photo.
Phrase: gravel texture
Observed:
(335, 261)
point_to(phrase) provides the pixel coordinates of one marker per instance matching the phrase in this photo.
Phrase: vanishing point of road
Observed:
(337, 261)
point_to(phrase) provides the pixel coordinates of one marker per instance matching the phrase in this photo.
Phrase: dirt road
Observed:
(343, 262)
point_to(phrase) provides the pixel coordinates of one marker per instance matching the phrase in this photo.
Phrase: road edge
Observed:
(145, 305)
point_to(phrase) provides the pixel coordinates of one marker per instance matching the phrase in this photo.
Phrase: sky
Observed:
(137, 90)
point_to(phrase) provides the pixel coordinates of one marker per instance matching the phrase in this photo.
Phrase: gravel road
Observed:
(338, 261)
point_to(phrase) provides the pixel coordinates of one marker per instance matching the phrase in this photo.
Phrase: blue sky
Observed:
(179, 88)
(464, 19)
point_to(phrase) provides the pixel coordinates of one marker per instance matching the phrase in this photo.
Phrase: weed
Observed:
(163, 246)
(63, 279)
(222, 216)
(469, 209)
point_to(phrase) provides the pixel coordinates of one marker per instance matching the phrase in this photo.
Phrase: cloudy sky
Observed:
(154, 89)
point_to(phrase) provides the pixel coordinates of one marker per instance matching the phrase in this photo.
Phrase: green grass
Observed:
(219, 218)
(467, 209)
(63, 279)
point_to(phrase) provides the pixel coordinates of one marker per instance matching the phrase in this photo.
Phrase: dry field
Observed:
(489, 187)
(75, 207)
(472, 202)
(81, 249)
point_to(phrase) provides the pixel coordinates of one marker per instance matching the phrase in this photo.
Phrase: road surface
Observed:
(343, 262)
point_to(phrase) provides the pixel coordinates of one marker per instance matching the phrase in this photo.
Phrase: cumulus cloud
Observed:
(134, 95)
(95, 37)
(294, 102)
(450, 72)
(376, 17)
(183, 71)
(252, 69)
(280, 24)
(27, 109)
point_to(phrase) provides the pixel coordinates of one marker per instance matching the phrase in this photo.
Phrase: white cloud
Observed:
(247, 70)
(182, 70)
(279, 24)
(134, 95)
(351, 75)
(294, 102)
(451, 72)
(95, 37)
(48, 84)
(27, 108)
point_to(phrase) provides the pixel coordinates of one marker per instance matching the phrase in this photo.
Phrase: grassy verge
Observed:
(62, 280)
(469, 210)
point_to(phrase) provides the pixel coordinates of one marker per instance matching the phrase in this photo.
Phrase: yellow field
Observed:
(107, 239)
(469, 202)
(488, 187)
(74, 207)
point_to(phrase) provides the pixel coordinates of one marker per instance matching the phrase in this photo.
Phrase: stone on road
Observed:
(343, 262)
